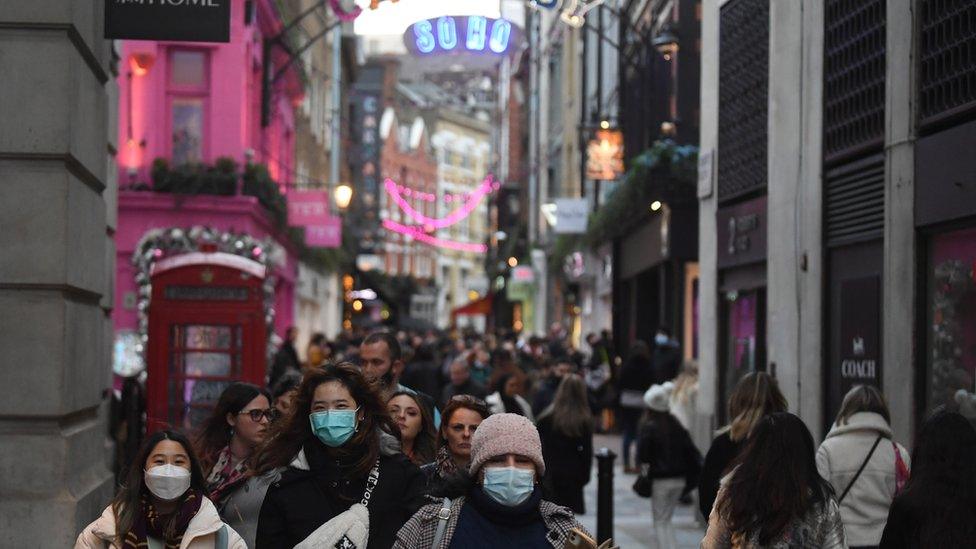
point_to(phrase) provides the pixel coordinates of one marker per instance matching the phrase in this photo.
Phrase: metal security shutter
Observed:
(947, 61)
(854, 201)
(743, 98)
(854, 78)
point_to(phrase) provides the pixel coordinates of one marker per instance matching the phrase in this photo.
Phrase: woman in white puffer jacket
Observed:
(861, 440)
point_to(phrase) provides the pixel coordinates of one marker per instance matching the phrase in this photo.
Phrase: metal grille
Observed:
(743, 97)
(854, 209)
(854, 77)
(947, 57)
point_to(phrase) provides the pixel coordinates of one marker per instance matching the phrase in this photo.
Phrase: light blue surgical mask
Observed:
(661, 339)
(334, 427)
(509, 485)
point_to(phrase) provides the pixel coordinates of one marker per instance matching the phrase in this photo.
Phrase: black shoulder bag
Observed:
(859, 471)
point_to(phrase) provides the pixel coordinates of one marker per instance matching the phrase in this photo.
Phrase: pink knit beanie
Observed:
(502, 434)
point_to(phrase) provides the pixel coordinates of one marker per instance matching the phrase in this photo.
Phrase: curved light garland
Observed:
(396, 193)
(421, 236)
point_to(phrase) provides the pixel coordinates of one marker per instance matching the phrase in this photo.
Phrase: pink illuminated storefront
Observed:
(190, 121)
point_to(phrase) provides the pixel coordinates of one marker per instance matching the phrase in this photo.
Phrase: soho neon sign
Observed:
(447, 34)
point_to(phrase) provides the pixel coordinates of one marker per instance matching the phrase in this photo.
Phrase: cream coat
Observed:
(865, 509)
(201, 533)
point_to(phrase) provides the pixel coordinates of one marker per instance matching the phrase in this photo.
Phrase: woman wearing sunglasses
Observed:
(239, 424)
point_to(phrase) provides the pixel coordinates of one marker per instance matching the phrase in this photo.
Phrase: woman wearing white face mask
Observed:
(343, 481)
(162, 504)
(500, 504)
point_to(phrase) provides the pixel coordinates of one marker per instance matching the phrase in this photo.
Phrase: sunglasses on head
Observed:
(468, 399)
(256, 414)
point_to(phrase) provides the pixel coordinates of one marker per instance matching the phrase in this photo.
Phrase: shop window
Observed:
(187, 92)
(951, 326)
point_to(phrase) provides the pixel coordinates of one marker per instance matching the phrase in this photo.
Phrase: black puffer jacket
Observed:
(313, 490)
(668, 450)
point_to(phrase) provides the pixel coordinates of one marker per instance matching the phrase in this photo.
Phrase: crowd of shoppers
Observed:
(405, 440)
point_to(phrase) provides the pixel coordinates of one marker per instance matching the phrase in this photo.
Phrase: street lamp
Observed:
(343, 196)
(666, 42)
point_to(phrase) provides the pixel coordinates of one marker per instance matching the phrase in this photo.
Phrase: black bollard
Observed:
(604, 494)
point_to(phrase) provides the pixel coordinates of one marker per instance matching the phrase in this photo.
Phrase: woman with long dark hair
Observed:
(938, 506)
(162, 503)
(418, 437)
(754, 397)
(774, 497)
(506, 399)
(566, 430)
(238, 425)
(343, 475)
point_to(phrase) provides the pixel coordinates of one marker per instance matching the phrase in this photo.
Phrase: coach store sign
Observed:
(182, 20)
(742, 233)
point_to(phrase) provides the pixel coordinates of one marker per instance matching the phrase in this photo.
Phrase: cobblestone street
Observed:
(632, 514)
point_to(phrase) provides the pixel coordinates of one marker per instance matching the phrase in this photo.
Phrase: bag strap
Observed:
(861, 469)
(442, 517)
(371, 481)
(222, 538)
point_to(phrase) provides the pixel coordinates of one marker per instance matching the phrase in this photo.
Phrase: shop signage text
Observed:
(742, 233)
(451, 34)
(182, 20)
(860, 311)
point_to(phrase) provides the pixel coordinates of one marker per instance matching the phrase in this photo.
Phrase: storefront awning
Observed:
(480, 306)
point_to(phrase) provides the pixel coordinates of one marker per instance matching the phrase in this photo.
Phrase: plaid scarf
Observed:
(445, 463)
(150, 523)
(224, 478)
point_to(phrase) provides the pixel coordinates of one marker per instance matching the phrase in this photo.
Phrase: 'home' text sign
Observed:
(182, 20)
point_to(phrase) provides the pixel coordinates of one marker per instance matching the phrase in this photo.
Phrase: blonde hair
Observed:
(755, 396)
(686, 383)
(863, 398)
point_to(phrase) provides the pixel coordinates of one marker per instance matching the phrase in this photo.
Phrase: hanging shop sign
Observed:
(605, 155)
(182, 20)
(571, 215)
(860, 314)
(450, 34)
(742, 233)
(326, 233)
(307, 208)
(368, 107)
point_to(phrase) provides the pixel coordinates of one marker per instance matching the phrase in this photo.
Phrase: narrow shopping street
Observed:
(632, 514)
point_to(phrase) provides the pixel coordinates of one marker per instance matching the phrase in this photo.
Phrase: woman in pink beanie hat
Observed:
(498, 503)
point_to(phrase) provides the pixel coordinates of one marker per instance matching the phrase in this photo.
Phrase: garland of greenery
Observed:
(953, 281)
(665, 168)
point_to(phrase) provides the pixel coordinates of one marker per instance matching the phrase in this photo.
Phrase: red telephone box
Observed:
(206, 330)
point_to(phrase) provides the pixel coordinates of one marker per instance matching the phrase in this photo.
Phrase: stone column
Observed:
(55, 265)
(708, 299)
(795, 264)
(899, 234)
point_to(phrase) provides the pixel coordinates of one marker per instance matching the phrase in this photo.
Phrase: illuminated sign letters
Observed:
(460, 34)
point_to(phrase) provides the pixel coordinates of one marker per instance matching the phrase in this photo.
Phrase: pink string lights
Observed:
(420, 236)
(468, 203)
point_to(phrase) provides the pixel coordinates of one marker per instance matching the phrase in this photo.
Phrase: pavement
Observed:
(632, 514)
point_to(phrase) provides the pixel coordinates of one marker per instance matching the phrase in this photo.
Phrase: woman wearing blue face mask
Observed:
(500, 503)
(343, 479)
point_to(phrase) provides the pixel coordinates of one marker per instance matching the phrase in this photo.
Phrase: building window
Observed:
(187, 92)
(951, 326)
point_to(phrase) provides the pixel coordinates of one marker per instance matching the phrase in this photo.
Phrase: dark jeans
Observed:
(629, 418)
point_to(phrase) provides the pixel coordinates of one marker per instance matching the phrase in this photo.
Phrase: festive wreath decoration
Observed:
(157, 244)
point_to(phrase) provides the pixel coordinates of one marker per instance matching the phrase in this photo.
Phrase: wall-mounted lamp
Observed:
(343, 196)
(140, 63)
(665, 41)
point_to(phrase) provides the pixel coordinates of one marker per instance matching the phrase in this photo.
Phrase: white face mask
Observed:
(167, 482)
